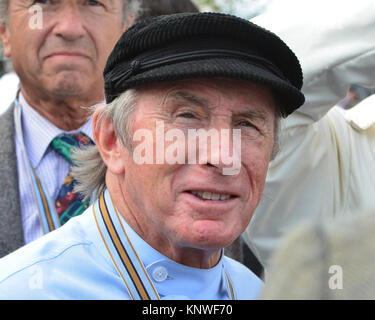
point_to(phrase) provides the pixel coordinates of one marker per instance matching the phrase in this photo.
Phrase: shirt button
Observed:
(160, 274)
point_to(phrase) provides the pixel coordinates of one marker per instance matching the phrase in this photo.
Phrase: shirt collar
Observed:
(175, 281)
(38, 132)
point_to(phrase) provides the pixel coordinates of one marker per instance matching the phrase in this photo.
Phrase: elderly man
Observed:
(161, 218)
(60, 68)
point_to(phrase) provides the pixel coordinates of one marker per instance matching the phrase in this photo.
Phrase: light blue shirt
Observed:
(73, 263)
(50, 167)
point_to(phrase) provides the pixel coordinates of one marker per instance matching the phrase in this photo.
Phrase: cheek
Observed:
(255, 173)
(30, 42)
(152, 190)
(256, 167)
(104, 42)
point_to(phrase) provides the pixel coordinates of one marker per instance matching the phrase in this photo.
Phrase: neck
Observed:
(181, 253)
(66, 113)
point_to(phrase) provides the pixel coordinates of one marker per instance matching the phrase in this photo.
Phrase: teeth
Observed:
(207, 195)
(215, 196)
(211, 196)
(224, 197)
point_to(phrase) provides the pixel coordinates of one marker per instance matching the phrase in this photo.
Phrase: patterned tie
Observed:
(69, 203)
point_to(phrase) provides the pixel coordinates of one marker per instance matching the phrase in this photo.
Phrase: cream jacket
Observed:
(325, 261)
(326, 165)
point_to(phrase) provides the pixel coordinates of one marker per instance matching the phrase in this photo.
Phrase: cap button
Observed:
(160, 274)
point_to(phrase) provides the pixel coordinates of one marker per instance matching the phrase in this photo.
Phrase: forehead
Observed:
(16, 3)
(211, 93)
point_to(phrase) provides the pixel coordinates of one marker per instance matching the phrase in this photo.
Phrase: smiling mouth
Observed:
(209, 196)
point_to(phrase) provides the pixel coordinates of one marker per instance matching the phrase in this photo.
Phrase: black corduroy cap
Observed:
(204, 45)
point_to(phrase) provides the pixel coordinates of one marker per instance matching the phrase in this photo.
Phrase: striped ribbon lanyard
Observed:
(230, 289)
(46, 207)
(123, 254)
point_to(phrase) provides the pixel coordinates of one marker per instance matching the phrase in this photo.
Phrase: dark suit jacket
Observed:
(11, 232)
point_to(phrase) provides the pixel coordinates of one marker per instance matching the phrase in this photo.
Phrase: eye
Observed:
(187, 115)
(42, 1)
(249, 128)
(94, 3)
(245, 123)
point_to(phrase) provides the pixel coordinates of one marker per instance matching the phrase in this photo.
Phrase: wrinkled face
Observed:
(60, 48)
(196, 205)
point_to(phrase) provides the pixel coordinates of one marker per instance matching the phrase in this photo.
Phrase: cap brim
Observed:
(288, 97)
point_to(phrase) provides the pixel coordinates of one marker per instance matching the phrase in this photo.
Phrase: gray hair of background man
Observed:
(130, 7)
(90, 171)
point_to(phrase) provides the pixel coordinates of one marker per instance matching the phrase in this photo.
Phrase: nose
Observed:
(69, 22)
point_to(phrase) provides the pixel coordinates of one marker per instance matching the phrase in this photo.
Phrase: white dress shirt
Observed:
(9, 84)
(326, 165)
(50, 167)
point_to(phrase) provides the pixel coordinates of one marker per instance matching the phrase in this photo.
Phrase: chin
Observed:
(68, 88)
(69, 83)
(210, 235)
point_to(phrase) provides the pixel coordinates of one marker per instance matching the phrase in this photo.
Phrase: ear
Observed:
(5, 39)
(109, 146)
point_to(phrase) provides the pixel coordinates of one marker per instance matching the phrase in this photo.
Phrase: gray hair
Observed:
(130, 7)
(276, 135)
(90, 171)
